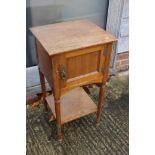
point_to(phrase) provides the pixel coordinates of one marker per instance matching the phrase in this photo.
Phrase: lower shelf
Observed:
(74, 104)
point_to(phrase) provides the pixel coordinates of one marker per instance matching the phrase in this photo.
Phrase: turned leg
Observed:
(58, 119)
(43, 88)
(100, 102)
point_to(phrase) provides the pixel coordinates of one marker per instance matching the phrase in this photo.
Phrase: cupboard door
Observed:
(82, 67)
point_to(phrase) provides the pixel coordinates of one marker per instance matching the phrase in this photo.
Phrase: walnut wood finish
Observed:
(72, 54)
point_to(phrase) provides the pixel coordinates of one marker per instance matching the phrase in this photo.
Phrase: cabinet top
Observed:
(67, 36)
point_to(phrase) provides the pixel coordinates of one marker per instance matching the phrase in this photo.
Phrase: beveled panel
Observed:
(82, 64)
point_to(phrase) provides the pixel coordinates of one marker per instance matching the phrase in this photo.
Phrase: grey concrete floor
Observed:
(81, 137)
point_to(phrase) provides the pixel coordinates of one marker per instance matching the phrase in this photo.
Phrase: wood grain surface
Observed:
(74, 104)
(67, 36)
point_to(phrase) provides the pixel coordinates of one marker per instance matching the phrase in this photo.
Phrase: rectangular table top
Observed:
(67, 36)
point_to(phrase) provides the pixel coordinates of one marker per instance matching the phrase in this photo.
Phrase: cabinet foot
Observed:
(97, 124)
(52, 118)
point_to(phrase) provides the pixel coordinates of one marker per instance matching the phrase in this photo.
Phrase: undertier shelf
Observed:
(74, 104)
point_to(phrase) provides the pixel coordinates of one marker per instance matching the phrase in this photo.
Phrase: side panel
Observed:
(44, 62)
(108, 49)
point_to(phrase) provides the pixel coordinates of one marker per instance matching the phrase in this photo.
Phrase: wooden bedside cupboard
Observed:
(72, 54)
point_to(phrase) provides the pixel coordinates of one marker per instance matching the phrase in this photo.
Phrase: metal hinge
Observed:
(62, 72)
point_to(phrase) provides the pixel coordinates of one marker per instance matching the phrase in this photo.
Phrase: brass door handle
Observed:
(62, 72)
